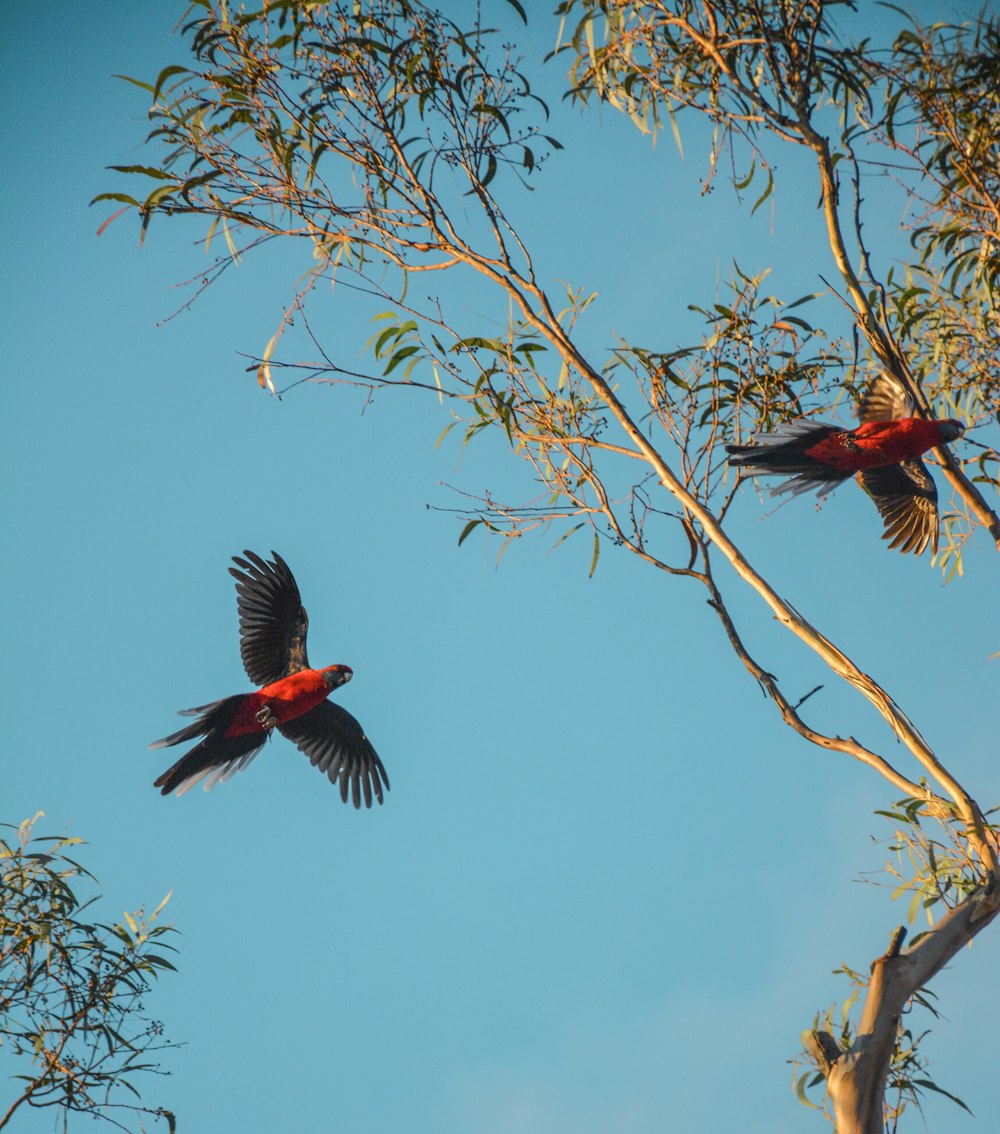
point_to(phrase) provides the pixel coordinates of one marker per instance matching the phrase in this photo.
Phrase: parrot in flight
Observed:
(884, 452)
(292, 697)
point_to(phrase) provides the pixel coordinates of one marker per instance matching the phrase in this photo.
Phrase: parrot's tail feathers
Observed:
(213, 765)
(805, 482)
(214, 717)
(784, 453)
(217, 756)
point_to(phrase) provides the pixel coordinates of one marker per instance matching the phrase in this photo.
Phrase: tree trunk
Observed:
(856, 1079)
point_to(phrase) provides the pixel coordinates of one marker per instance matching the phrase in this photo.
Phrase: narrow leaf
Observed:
(148, 170)
(166, 73)
(114, 216)
(134, 82)
(467, 530)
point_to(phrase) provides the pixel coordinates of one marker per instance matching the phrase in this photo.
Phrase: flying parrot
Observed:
(292, 697)
(884, 452)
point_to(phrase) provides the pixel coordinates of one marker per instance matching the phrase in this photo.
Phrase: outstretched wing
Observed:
(336, 744)
(885, 400)
(273, 622)
(906, 497)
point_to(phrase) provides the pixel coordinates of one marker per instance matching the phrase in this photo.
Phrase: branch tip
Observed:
(895, 942)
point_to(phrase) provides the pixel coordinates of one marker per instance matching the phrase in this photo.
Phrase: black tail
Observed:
(783, 453)
(215, 757)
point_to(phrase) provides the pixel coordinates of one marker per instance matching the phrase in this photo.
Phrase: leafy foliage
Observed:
(337, 124)
(931, 870)
(72, 991)
(941, 124)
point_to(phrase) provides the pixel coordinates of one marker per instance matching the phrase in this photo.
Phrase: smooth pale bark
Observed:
(856, 1079)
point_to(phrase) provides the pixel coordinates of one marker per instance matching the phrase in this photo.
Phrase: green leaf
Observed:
(467, 530)
(115, 197)
(148, 170)
(565, 536)
(387, 334)
(160, 962)
(928, 1085)
(134, 82)
(157, 196)
(742, 184)
(477, 342)
(803, 1083)
(798, 322)
(494, 112)
(166, 73)
(400, 356)
(675, 129)
(597, 552)
(194, 182)
(444, 433)
(803, 299)
(764, 196)
(491, 169)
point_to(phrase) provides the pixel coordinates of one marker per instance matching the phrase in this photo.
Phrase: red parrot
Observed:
(293, 697)
(884, 452)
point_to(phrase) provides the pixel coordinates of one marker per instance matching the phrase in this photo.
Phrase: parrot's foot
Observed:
(265, 717)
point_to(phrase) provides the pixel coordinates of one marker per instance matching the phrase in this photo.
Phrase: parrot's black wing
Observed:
(336, 743)
(273, 622)
(906, 497)
(885, 400)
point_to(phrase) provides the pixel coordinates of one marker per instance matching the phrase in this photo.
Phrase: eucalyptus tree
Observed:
(387, 139)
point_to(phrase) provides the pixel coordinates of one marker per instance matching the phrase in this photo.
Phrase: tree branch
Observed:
(856, 1078)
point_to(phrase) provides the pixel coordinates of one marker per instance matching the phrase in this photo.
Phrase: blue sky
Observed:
(608, 888)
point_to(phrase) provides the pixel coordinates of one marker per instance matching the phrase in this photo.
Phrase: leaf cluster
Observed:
(931, 870)
(941, 127)
(748, 68)
(337, 122)
(72, 990)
